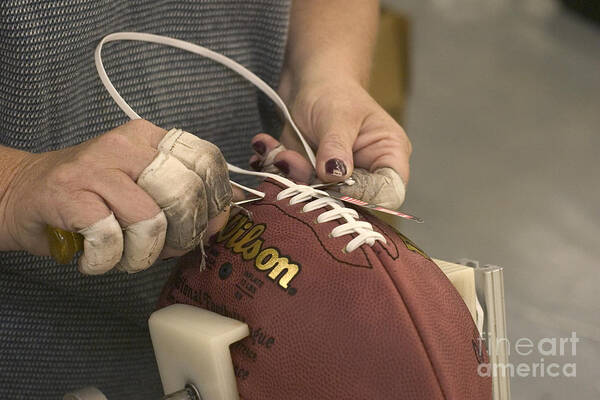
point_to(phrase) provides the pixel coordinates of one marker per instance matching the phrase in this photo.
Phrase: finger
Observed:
(238, 194)
(102, 246)
(383, 187)
(142, 133)
(263, 143)
(294, 166)
(334, 156)
(143, 221)
(255, 163)
(267, 148)
(291, 141)
(139, 150)
(85, 212)
(276, 158)
(217, 223)
(181, 194)
(214, 225)
(205, 160)
(385, 147)
(89, 215)
(143, 243)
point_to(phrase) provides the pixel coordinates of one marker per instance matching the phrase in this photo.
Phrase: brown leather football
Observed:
(330, 319)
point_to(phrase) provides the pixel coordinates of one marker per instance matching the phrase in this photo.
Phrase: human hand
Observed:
(353, 136)
(181, 196)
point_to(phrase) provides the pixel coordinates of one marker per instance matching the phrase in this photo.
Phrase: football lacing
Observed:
(363, 229)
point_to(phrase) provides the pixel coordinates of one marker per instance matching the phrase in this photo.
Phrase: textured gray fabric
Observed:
(60, 330)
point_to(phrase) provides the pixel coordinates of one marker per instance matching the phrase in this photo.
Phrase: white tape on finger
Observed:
(207, 161)
(144, 240)
(187, 148)
(180, 193)
(383, 187)
(267, 164)
(102, 246)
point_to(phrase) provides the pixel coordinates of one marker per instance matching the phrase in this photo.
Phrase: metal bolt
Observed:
(189, 393)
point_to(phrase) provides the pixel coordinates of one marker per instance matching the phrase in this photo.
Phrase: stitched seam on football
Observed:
(429, 358)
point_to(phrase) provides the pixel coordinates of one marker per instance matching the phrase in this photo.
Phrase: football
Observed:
(339, 305)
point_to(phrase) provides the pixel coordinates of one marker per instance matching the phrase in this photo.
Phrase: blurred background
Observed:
(501, 99)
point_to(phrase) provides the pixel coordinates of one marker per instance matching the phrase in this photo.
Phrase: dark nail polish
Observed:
(283, 166)
(255, 165)
(335, 167)
(259, 147)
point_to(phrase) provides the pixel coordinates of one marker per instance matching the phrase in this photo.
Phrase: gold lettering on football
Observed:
(249, 244)
(283, 266)
(244, 238)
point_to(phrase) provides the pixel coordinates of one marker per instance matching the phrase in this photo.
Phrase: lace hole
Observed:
(344, 250)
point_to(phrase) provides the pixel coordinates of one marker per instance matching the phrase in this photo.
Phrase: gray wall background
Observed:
(504, 115)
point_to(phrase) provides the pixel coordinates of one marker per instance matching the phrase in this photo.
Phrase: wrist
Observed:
(12, 163)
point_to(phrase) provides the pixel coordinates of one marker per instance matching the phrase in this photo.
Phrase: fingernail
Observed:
(335, 167)
(255, 165)
(259, 147)
(283, 166)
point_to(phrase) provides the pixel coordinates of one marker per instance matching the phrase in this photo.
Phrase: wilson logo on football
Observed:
(244, 238)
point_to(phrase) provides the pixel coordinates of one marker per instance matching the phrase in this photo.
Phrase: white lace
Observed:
(363, 229)
(298, 193)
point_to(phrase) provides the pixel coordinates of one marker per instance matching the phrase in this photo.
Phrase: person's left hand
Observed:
(353, 135)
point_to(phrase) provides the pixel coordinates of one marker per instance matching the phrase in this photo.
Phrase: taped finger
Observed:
(144, 240)
(268, 162)
(141, 218)
(267, 148)
(181, 194)
(383, 187)
(207, 161)
(102, 246)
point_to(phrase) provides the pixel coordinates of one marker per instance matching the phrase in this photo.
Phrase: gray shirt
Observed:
(60, 330)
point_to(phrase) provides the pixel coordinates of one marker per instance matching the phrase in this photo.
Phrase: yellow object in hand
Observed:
(63, 244)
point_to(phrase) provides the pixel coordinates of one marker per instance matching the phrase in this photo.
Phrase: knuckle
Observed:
(113, 141)
(397, 144)
(214, 153)
(138, 125)
(214, 161)
(409, 147)
(64, 174)
(86, 158)
(141, 128)
(335, 141)
(399, 134)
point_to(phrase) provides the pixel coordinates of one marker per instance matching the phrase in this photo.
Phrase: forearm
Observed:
(10, 161)
(332, 39)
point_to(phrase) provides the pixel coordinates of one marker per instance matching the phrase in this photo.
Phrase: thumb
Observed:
(334, 156)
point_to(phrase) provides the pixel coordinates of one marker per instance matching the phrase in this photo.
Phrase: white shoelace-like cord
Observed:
(298, 193)
(366, 234)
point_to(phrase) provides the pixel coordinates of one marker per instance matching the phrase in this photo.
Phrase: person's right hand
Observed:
(134, 193)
